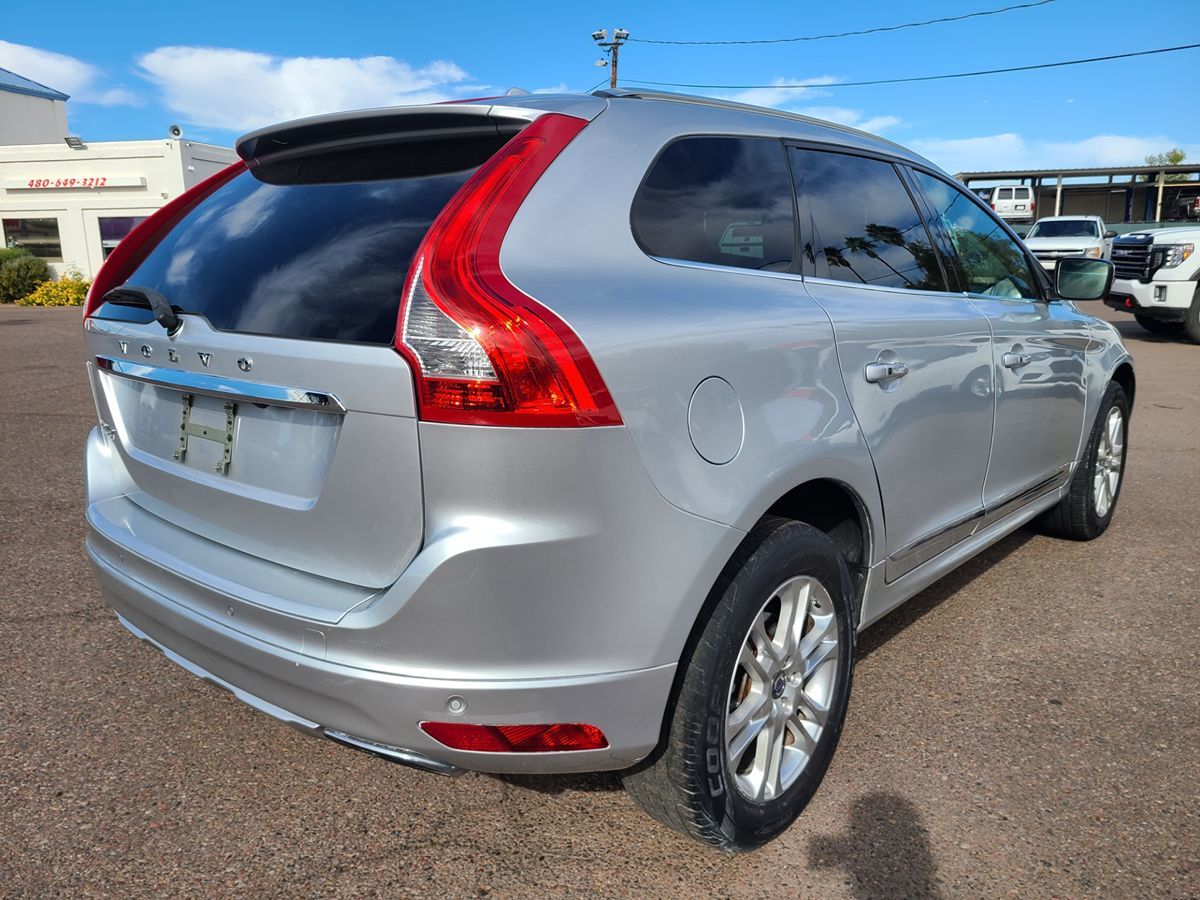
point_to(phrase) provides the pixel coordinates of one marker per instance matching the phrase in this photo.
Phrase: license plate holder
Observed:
(189, 430)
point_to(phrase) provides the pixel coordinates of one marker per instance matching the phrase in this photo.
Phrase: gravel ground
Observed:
(1028, 725)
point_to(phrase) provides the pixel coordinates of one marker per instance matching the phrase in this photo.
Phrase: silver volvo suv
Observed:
(579, 432)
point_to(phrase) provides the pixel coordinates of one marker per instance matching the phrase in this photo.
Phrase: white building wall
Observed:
(78, 187)
(25, 119)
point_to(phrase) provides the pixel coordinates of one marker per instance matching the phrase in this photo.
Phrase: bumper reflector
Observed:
(516, 738)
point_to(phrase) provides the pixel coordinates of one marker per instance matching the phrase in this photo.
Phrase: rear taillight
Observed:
(136, 245)
(516, 738)
(483, 352)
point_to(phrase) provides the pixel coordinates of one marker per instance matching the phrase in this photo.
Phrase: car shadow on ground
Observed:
(884, 850)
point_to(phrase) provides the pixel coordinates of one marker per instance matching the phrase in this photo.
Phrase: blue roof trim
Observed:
(19, 84)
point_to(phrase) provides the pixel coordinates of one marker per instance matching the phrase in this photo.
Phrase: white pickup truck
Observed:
(1055, 237)
(1157, 278)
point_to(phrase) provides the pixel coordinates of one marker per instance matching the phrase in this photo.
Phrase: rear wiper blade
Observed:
(132, 294)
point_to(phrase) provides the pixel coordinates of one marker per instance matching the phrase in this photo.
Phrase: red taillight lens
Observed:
(136, 245)
(483, 351)
(516, 738)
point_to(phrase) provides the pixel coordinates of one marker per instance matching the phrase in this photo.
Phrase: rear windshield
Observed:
(318, 250)
(1077, 228)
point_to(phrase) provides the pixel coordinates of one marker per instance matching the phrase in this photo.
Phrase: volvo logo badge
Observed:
(204, 358)
(245, 363)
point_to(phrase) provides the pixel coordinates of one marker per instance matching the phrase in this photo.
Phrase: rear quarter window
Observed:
(725, 201)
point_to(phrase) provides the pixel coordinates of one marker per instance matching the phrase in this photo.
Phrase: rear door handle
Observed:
(1016, 360)
(879, 372)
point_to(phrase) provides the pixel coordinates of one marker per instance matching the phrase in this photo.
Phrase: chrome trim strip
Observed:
(713, 267)
(905, 560)
(225, 388)
(394, 754)
(916, 554)
(1002, 508)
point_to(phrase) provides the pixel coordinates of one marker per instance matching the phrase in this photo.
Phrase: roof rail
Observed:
(634, 94)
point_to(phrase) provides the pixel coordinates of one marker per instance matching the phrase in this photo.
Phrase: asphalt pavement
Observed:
(1030, 725)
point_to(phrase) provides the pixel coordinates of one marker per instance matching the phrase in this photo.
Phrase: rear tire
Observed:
(1191, 322)
(1087, 509)
(1158, 326)
(758, 706)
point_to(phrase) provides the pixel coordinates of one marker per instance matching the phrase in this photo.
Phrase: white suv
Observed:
(1055, 237)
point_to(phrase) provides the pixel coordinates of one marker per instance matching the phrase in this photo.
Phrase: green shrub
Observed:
(70, 290)
(7, 253)
(20, 277)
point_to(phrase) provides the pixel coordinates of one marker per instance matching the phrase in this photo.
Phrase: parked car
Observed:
(1014, 204)
(1056, 237)
(569, 433)
(1158, 280)
(1188, 208)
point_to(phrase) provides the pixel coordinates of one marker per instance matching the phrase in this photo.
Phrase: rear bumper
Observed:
(318, 696)
(555, 585)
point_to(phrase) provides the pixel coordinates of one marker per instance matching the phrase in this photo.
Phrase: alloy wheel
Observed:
(782, 689)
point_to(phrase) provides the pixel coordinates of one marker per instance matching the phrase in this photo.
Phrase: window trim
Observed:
(793, 270)
(897, 165)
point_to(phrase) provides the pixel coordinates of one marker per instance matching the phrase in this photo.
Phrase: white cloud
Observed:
(852, 117)
(84, 82)
(783, 93)
(560, 88)
(1012, 151)
(791, 94)
(240, 89)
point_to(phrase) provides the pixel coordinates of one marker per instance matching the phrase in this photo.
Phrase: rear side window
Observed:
(1006, 193)
(316, 249)
(726, 201)
(858, 223)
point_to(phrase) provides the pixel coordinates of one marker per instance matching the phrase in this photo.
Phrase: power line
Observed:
(842, 34)
(838, 84)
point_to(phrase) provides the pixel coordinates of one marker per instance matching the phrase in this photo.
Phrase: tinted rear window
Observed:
(858, 223)
(314, 253)
(726, 201)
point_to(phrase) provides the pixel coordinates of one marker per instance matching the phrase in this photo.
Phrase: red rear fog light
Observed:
(516, 738)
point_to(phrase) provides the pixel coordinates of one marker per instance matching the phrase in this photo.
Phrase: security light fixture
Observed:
(620, 34)
(601, 63)
(75, 143)
(600, 34)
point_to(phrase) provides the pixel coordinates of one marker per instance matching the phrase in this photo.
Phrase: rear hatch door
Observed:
(278, 420)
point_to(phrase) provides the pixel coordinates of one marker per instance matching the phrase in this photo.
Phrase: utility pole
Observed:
(612, 49)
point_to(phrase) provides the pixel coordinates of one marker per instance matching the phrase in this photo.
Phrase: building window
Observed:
(114, 228)
(38, 236)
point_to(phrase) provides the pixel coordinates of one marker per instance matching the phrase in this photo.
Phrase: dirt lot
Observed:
(1028, 725)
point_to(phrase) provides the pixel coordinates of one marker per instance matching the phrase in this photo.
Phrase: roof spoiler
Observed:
(505, 116)
(364, 128)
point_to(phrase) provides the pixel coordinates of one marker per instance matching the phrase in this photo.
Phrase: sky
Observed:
(220, 69)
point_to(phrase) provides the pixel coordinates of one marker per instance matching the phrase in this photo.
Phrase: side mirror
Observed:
(1082, 278)
(1109, 234)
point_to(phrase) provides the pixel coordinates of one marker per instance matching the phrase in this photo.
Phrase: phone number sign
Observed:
(74, 183)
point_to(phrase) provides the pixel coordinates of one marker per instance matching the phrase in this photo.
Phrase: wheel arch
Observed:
(834, 507)
(1124, 376)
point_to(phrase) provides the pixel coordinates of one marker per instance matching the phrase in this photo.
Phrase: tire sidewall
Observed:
(1114, 396)
(794, 549)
